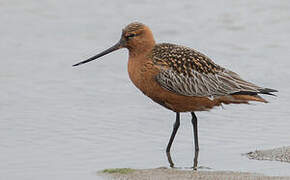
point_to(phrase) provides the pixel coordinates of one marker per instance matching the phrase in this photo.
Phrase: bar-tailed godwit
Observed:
(180, 78)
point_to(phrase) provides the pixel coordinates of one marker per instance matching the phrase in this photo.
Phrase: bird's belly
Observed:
(143, 76)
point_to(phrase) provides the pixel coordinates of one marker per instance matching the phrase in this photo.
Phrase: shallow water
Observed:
(59, 122)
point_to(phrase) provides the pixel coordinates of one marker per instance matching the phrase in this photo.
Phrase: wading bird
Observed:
(179, 78)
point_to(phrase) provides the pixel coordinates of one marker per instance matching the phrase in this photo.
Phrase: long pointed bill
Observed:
(111, 49)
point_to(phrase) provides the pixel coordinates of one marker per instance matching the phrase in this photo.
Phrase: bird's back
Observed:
(183, 59)
(185, 71)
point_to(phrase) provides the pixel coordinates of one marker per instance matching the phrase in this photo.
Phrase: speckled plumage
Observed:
(188, 72)
(183, 59)
(133, 27)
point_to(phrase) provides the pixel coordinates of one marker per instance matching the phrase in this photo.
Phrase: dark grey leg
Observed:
(175, 128)
(194, 124)
(170, 159)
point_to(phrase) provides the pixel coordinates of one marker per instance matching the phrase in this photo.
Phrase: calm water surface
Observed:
(59, 122)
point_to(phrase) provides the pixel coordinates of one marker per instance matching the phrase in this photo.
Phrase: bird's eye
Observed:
(129, 36)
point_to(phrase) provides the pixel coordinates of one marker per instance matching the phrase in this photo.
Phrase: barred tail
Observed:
(246, 96)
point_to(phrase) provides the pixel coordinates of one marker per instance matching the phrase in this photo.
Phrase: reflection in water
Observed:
(195, 161)
(171, 164)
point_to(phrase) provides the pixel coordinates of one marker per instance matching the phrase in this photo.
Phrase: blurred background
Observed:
(59, 122)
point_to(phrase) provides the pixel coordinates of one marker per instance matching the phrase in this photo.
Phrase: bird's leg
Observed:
(194, 124)
(175, 128)
(169, 159)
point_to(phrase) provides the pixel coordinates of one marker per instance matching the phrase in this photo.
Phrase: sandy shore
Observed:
(174, 174)
(278, 154)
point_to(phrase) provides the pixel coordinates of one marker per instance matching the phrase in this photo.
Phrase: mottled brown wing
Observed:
(187, 72)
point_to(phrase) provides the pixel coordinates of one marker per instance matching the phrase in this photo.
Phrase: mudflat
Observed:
(173, 174)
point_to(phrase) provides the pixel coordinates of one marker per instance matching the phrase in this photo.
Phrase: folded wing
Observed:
(187, 72)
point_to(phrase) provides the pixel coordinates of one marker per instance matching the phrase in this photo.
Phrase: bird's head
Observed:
(136, 37)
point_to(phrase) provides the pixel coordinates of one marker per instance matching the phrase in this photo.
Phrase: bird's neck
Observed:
(142, 48)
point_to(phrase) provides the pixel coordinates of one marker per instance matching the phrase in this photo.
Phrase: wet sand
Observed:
(173, 174)
(277, 154)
